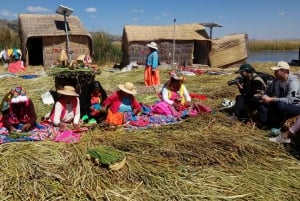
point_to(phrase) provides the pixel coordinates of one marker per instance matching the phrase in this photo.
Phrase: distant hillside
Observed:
(12, 25)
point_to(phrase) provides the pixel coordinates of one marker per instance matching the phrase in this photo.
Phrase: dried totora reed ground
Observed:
(209, 157)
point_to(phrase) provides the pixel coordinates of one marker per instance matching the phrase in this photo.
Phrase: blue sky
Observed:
(260, 19)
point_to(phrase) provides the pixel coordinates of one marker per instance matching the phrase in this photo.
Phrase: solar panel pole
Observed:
(65, 11)
(67, 34)
(173, 59)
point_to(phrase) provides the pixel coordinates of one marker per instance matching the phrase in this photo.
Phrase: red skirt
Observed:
(151, 77)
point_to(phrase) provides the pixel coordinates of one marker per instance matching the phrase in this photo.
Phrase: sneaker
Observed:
(279, 139)
(275, 132)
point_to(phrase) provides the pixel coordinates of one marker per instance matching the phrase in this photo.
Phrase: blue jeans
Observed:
(278, 112)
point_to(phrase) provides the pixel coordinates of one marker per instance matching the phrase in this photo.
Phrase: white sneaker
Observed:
(279, 139)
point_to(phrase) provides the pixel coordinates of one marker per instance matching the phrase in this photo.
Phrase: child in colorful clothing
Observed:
(18, 111)
(120, 103)
(97, 96)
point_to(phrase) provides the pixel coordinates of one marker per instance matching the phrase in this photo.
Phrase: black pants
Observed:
(245, 105)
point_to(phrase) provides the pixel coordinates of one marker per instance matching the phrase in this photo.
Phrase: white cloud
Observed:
(37, 9)
(282, 13)
(156, 18)
(220, 16)
(91, 10)
(137, 10)
(7, 13)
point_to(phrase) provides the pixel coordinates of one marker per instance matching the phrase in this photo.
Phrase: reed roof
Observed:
(192, 31)
(49, 25)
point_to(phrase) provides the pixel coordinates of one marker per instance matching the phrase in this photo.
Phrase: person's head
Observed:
(246, 70)
(152, 46)
(281, 70)
(127, 88)
(18, 95)
(67, 93)
(175, 81)
(18, 98)
(96, 87)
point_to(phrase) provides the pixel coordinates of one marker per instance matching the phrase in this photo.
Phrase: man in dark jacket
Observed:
(251, 87)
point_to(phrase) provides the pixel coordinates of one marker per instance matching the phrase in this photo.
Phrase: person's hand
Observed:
(76, 126)
(62, 126)
(135, 111)
(26, 127)
(240, 85)
(12, 129)
(188, 104)
(176, 105)
(266, 99)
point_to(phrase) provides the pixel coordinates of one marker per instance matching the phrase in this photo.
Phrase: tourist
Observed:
(282, 98)
(251, 87)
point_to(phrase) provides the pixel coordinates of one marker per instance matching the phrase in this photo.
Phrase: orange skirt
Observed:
(151, 77)
(114, 118)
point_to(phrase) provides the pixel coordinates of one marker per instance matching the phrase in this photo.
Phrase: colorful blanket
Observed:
(41, 132)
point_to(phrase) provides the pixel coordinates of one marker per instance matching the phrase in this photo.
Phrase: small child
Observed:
(97, 96)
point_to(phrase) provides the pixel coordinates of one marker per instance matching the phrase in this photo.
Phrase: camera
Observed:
(235, 81)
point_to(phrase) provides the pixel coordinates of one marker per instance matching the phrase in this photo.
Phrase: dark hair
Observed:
(95, 85)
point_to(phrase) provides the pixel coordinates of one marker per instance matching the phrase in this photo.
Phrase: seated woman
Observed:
(97, 96)
(18, 111)
(66, 112)
(121, 104)
(176, 100)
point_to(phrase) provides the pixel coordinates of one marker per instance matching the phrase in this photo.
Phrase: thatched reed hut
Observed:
(192, 43)
(43, 37)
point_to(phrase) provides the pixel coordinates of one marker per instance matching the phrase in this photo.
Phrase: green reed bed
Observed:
(260, 45)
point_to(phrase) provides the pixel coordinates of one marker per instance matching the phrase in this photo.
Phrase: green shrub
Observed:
(8, 38)
(105, 50)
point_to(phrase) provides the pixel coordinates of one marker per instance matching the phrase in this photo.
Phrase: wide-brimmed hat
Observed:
(281, 65)
(176, 76)
(152, 45)
(127, 87)
(68, 91)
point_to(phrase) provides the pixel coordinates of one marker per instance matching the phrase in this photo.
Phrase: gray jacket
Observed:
(287, 92)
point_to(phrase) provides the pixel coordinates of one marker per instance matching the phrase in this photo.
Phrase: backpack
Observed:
(267, 78)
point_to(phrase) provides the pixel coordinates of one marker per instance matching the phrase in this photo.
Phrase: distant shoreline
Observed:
(261, 45)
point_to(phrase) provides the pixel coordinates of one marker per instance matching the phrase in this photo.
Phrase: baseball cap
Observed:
(281, 65)
(246, 67)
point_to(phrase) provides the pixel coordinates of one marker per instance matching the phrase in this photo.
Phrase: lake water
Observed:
(272, 56)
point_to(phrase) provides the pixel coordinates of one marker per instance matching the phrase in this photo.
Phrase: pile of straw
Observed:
(209, 157)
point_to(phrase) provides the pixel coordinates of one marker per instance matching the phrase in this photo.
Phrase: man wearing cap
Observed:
(151, 74)
(251, 88)
(282, 98)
